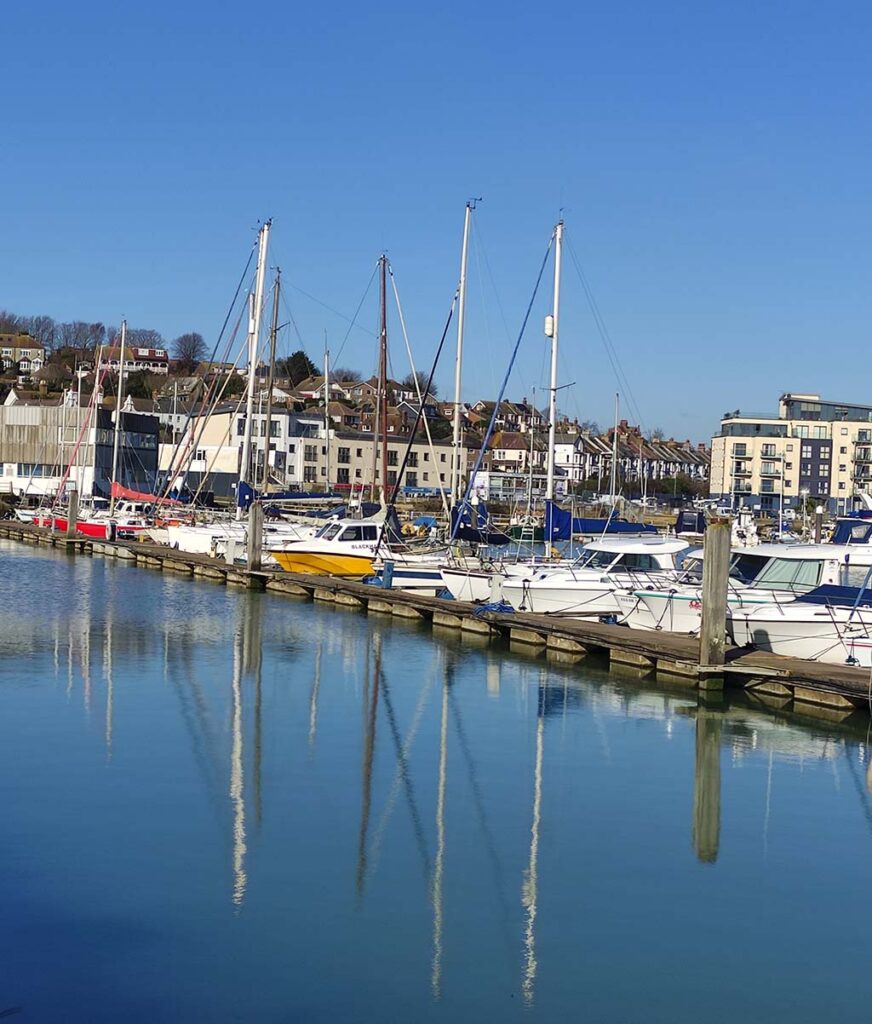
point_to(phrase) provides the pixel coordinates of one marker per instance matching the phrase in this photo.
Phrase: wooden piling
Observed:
(73, 513)
(715, 577)
(254, 537)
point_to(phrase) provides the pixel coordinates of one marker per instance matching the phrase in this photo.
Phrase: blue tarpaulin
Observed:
(561, 525)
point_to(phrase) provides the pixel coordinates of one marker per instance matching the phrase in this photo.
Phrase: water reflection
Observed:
(445, 791)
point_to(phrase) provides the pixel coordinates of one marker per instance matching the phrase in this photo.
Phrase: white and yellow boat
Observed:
(344, 548)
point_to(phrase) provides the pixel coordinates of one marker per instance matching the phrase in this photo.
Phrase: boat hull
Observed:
(324, 563)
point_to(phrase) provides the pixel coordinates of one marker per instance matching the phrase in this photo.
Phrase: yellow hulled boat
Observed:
(345, 548)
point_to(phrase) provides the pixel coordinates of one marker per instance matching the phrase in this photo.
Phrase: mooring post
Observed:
(818, 523)
(707, 786)
(254, 539)
(715, 576)
(73, 513)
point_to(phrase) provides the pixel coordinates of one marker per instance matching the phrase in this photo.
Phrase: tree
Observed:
(344, 374)
(298, 366)
(408, 384)
(143, 337)
(656, 434)
(139, 384)
(74, 334)
(43, 329)
(189, 350)
(10, 323)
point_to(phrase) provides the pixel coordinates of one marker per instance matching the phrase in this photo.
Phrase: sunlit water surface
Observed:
(224, 806)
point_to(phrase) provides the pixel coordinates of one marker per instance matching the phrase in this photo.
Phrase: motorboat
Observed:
(589, 586)
(830, 624)
(759, 575)
(344, 547)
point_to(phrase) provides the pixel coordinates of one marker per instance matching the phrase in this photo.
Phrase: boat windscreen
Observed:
(746, 568)
(793, 574)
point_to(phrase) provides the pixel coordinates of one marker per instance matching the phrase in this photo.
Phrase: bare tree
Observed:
(145, 337)
(408, 383)
(189, 350)
(44, 329)
(343, 373)
(10, 323)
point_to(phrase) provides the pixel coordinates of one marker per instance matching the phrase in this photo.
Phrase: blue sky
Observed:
(712, 161)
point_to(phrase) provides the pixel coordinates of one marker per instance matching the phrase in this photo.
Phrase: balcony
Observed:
(771, 474)
(863, 455)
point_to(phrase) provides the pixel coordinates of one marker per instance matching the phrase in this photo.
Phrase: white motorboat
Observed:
(760, 575)
(829, 624)
(589, 587)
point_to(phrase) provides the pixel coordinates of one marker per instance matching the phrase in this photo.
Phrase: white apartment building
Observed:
(813, 449)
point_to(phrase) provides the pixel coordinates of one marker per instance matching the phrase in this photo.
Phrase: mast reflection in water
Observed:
(238, 807)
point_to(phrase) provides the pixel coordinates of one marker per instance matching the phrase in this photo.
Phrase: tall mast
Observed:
(553, 323)
(383, 374)
(614, 482)
(253, 335)
(119, 394)
(274, 330)
(326, 415)
(458, 360)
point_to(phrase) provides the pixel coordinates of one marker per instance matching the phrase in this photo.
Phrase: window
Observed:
(310, 453)
(801, 431)
(352, 533)
(344, 455)
(787, 483)
(806, 451)
(821, 431)
(442, 456)
(370, 533)
(292, 448)
(413, 459)
(825, 451)
(789, 447)
(240, 426)
(788, 465)
(392, 458)
(200, 455)
(411, 479)
(309, 474)
(442, 478)
(426, 475)
(740, 451)
(767, 486)
(842, 467)
(357, 474)
(768, 451)
(360, 453)
(842, 486)
(825, 468)
(426, 456)
(392, 476)
(805, 469)
(274, 428)
(843, 451)
(844, 431)
(342, 475)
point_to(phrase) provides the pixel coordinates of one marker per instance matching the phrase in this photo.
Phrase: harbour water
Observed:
(234, 806)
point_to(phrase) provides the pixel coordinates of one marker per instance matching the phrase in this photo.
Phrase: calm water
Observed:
(229, 807)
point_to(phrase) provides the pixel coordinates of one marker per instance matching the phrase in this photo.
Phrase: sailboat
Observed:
(347, 547)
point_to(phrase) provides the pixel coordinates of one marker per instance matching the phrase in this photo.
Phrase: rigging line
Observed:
(336, 312)
(417, 423)
(283, 299)
(353, 322)
(603, 331)
(418, 383)
(490, 428)
(487, 331)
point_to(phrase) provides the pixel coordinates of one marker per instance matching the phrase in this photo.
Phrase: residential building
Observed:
(812, 448)
(23, 352)
(150, 360)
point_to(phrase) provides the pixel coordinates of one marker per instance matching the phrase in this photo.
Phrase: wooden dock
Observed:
(831, 691)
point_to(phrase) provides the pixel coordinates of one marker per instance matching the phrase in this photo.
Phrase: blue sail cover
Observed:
(470, 523)
(561, 525)
(246, 494)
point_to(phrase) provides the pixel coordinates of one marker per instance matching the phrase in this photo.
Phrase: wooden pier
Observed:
(830, 691)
